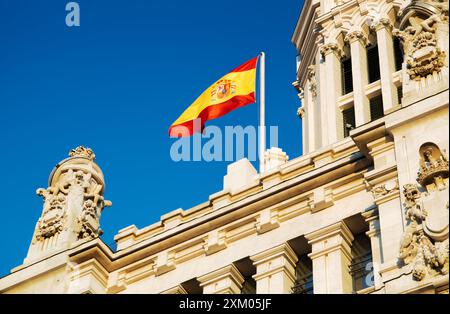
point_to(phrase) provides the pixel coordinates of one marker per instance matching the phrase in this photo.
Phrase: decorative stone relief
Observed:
(420, 42)
(384, 189)
(53, 216)
(425, 242)
(312, 80)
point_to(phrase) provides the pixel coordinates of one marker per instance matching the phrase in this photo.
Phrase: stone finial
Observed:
(82, 151)
(72, 205)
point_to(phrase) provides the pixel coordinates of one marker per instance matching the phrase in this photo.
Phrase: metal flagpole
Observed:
(262, 104)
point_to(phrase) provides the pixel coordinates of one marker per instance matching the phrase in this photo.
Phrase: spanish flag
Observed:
(235, 89)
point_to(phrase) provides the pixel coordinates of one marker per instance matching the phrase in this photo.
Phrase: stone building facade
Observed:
(364, 210)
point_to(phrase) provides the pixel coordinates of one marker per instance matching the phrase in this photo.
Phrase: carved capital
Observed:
(380, 24)
(331, 48)
(356, 36)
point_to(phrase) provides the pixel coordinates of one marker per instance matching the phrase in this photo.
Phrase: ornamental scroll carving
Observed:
(74, 200)
(422, 53)
(425, 243)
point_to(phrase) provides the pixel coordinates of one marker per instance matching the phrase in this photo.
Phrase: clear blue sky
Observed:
(115, 84)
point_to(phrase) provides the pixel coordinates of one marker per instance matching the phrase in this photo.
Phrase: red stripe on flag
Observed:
(249, 65)
(212, 112)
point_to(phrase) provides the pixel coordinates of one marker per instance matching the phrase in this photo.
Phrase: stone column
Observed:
(371, 217)
(275, 270)
(331, 257)
(227, 280)
(332, 54)
(358, 43)
(383, 28)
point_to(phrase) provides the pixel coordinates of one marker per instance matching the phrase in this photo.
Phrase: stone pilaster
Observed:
(371, 217)
(358, 43)
(331, 257)
(383, 28)
(275, 269)
(227, 280)
(383, 184)
(332, 54)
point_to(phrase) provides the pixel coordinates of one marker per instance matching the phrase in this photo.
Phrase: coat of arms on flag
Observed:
(223, 89)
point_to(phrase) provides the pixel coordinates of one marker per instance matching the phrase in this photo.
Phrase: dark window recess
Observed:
(376, 108)
(349, 120)
(347, 80)
(400, 94)
(373, 63)
(398, 54)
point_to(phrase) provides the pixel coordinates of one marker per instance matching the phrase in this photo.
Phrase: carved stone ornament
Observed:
(74, 201)
(384, 189)
(301, 112)
(89, 221)
(433, 166)
(422, 55)
(425, 243)
(82, 151)
(312, 80)
(53, 216)
(331, 48)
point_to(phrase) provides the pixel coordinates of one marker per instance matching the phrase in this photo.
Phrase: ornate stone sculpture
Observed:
(425, 242)
(433, 166)
(74, 200)
(420, 42)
